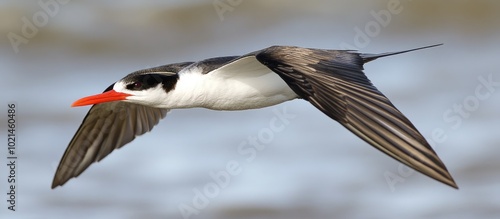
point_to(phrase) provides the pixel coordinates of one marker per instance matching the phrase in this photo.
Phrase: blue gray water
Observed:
(311, 168)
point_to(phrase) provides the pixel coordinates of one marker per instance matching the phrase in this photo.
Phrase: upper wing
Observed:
(333, 81)
(106, 127)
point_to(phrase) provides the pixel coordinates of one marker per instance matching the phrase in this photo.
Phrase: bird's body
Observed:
(331, 80)
(249, 85)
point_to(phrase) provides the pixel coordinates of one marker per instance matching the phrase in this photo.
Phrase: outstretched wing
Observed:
(106, 127)
(334, 82)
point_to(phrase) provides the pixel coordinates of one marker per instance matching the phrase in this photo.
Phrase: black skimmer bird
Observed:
(331, 80)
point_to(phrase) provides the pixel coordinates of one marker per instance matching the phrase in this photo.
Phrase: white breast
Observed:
(243, 84)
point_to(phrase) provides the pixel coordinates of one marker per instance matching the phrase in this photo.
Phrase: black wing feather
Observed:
(106, 127)
(333, 81)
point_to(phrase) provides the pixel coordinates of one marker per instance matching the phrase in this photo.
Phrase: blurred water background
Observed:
(313, 168)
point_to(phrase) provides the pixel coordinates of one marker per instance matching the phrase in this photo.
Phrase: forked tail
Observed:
(367, 57)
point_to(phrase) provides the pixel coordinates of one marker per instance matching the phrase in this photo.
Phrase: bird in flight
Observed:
(331, 80)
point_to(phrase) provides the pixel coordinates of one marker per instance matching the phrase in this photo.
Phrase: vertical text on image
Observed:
(11, 156)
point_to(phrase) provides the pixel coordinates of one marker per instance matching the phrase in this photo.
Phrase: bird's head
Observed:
(145, 88)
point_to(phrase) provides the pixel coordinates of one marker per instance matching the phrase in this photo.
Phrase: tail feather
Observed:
(370, 57)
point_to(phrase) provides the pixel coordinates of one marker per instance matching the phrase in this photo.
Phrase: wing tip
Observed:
(453, 184)
(59, 180)
(448, 180)
(56, 183)
(437, 170)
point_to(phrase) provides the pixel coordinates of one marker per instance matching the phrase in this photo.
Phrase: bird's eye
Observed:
(134, 86)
